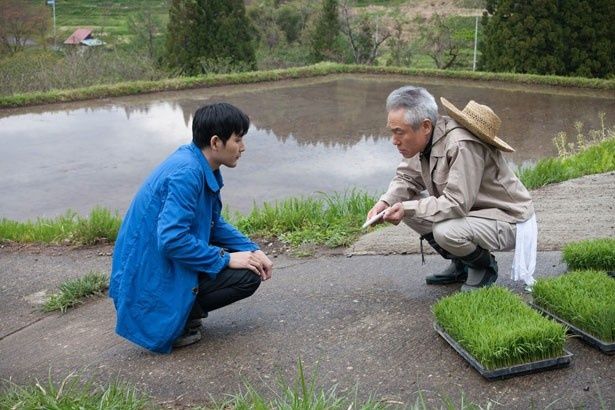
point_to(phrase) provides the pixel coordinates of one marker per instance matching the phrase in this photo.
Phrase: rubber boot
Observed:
(456, 272)
(482, 270)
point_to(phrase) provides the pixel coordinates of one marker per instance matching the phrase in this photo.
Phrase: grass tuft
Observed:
(74, 291)
(597, 254)
(592, 153)
(100, 226)
(585, 299)
(498, 328)
(328, 219)
(72, 393)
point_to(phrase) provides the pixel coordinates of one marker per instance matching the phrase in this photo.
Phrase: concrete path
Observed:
(362, 323)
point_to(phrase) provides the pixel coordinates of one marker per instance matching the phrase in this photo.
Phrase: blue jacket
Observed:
(172, 232)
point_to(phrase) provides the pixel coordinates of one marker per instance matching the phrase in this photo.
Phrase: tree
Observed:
(566, 37)
(437, 40)
(145, 25)
(324, 37)
(589, 34)
(20, 22)
(400, 51)
(209, 35)
(364, 34)
(522, 36)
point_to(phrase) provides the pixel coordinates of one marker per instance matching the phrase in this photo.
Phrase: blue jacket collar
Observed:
(213, 178)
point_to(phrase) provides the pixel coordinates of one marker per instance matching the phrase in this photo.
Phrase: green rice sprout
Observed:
(596, 254)
(498, 329)
(585, 299)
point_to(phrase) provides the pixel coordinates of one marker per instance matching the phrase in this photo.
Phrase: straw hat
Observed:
(480, 120)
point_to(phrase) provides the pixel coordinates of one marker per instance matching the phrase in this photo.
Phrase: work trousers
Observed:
(229, 286)
(461, 236)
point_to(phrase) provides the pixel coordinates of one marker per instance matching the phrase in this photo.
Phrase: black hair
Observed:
(221, 119)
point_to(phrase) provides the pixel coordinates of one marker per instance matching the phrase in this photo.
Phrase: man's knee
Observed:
(451, 236)
(249, 283)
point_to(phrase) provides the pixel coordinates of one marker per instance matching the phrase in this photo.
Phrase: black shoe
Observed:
(480, 278)
(190, 336)
(456, 272)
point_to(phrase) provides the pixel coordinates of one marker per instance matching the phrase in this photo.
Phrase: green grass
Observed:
(71, 394)
(100, 226)
(74, 291)
(585, 299)
(498, 328)
(327, 219)
(597, 254)
(321, 69)
(105, 18)
(595, 159)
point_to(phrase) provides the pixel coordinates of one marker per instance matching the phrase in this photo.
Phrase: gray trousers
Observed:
(461, 236)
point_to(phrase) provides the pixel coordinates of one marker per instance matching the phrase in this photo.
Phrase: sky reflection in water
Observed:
(307, 136)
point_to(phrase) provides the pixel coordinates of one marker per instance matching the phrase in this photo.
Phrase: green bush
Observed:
(498, 328)
(597, 254)
(585, 299)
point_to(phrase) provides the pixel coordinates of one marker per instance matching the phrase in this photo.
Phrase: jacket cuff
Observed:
(410, 207)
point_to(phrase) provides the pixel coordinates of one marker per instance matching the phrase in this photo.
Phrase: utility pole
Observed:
(475, 42)
(52, 3)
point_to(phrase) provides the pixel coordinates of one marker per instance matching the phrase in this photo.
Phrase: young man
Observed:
(474, 202)
(176, 258)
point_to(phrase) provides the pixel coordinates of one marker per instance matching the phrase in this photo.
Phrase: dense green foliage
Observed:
(209, 36)
(70, 228)
(598, 254)
(74, 291)
(567, 37)
(323, 40)
(498, 329)
(585, 299)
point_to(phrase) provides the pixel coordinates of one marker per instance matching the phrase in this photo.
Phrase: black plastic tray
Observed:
(605, 347)
(506, 372)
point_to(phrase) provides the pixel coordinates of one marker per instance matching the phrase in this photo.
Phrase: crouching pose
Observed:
(474, 203)
(176, 259)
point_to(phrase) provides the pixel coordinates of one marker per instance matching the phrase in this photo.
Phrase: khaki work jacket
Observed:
(463, 177)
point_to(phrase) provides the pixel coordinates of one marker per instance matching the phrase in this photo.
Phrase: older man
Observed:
(474, 201)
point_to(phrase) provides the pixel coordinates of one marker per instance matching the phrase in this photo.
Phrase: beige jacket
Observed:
(463, 176)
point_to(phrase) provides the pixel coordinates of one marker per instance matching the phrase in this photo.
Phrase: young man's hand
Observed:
(256, 261)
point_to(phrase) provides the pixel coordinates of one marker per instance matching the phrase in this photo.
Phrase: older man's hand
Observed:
(394, 214)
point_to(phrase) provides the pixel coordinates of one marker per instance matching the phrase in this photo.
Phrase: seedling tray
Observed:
(605, 347)
(506, 372)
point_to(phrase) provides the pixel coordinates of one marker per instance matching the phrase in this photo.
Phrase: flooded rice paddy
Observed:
(307, 136)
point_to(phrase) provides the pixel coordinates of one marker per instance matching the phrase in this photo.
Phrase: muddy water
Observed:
(307, 136)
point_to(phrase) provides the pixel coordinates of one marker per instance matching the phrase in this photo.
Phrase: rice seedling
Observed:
(585, 299)
(597, 254)
(498, 329)
(74, 291)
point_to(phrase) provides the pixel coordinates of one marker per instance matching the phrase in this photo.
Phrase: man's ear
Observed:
(427, 126)
(215, 142)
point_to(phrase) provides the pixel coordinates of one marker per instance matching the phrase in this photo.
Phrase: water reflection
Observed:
(307, 136)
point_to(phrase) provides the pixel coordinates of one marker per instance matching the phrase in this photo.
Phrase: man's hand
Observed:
(379, 207)
(394, 214)
(256, 261)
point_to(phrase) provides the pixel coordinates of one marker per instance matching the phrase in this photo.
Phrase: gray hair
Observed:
(418, 103)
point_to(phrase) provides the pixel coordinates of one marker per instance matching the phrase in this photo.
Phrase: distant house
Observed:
(83, 36)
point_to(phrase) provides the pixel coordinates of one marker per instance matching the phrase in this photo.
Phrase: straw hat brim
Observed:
(460, 117)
